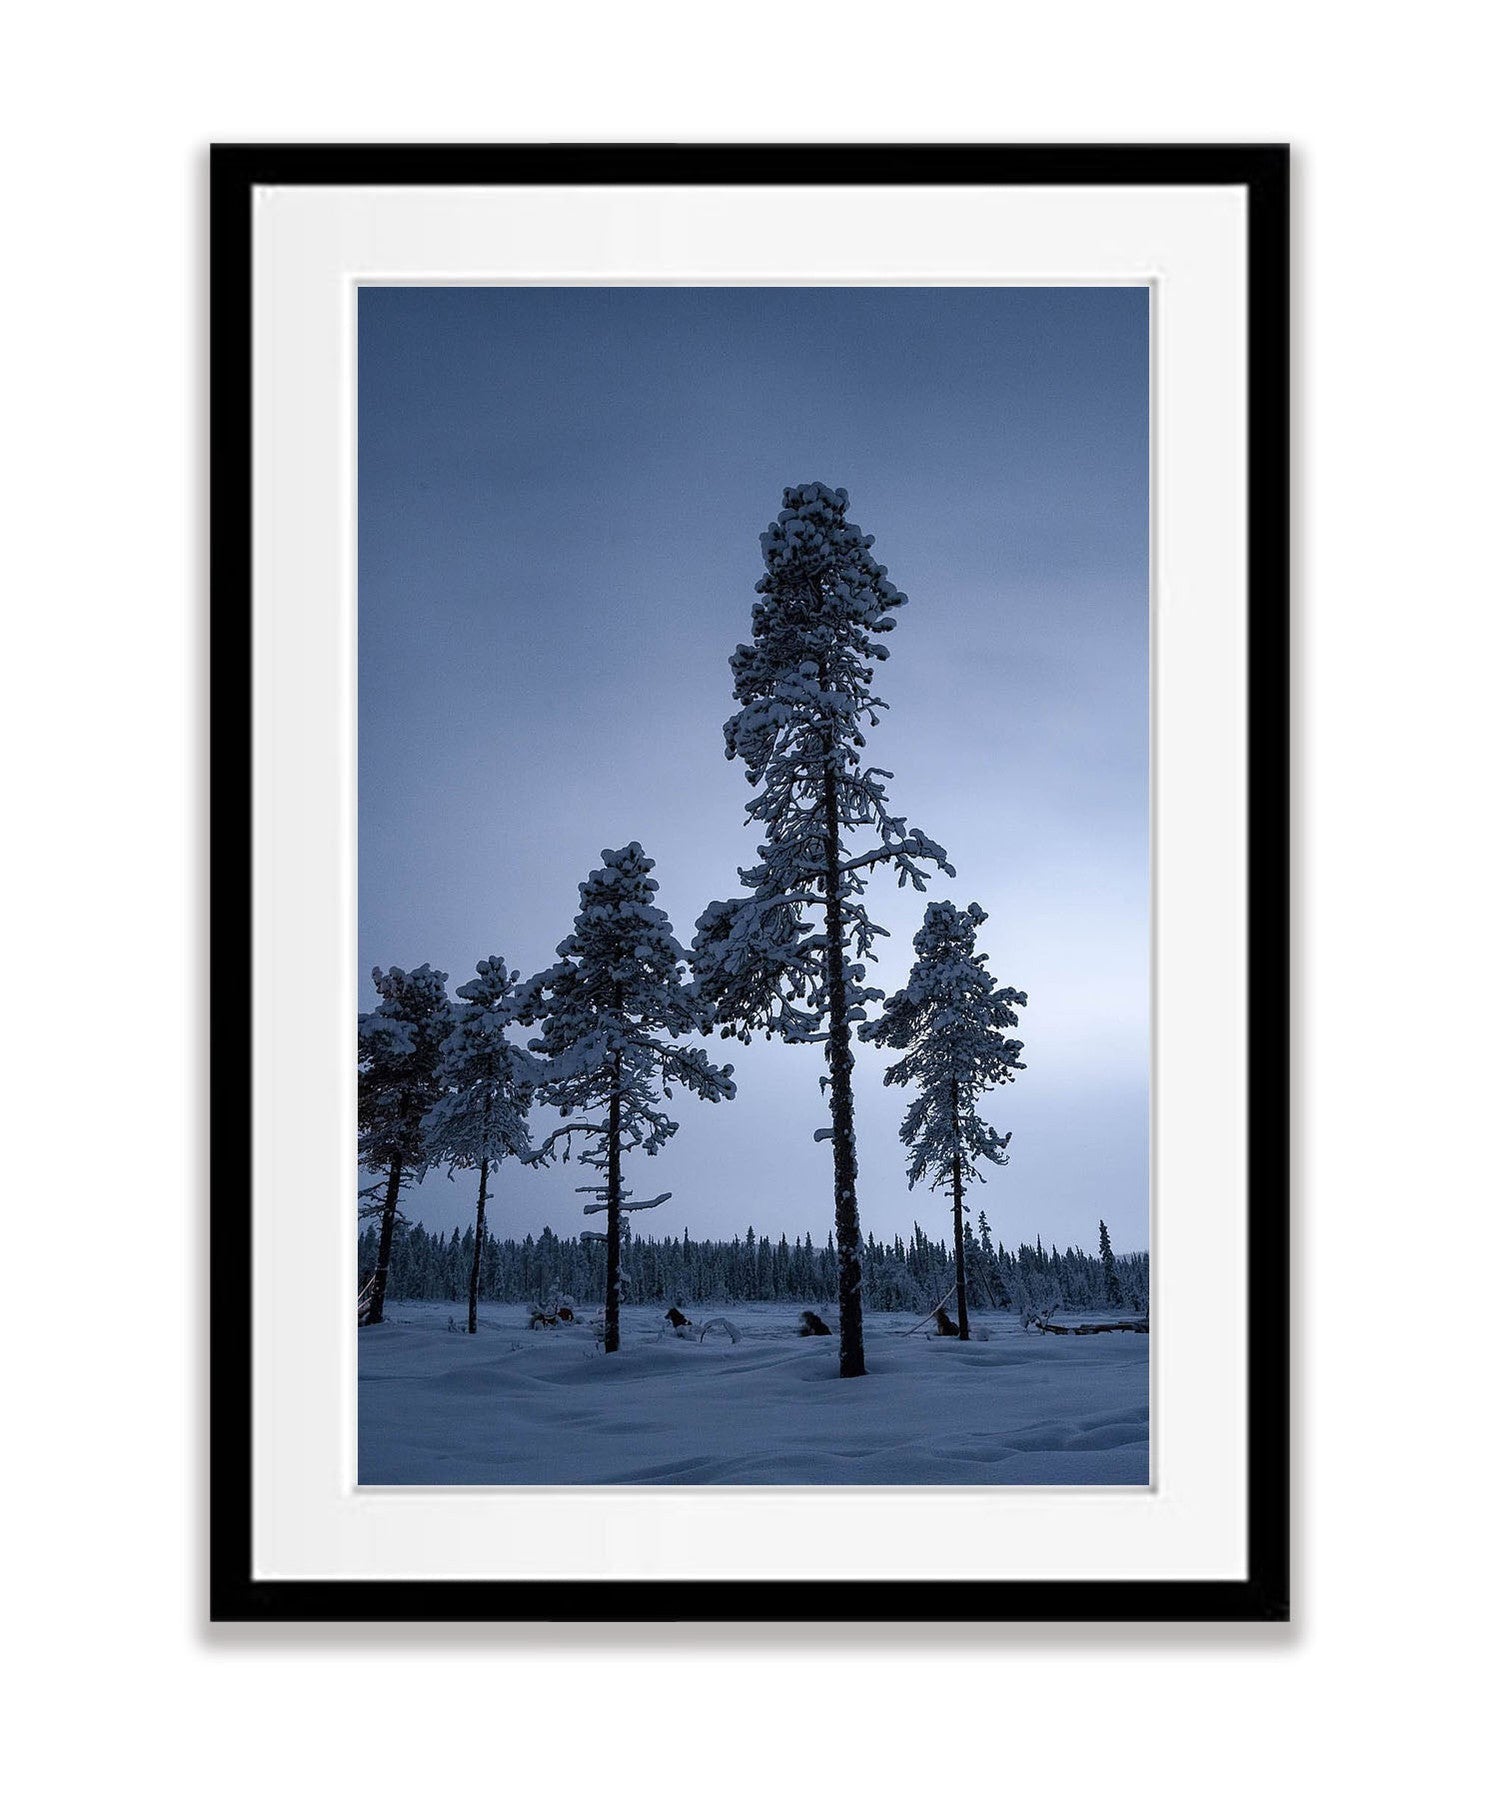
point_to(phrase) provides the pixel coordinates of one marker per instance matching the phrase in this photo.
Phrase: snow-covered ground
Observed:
(512, 1406)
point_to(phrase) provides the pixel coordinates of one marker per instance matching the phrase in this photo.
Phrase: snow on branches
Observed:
(400, 1044)
(626, 1204)
(486, 1080)
(950, 1020)
(611, 1012)
(805, 697)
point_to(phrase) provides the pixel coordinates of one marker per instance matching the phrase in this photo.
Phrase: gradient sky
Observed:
(561, 492)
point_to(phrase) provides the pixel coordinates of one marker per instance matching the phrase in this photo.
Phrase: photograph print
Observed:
(753, 886)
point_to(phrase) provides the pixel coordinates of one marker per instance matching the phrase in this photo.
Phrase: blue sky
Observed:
(561, 492)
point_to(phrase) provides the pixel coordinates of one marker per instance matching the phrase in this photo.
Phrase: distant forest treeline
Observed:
(902, 1276)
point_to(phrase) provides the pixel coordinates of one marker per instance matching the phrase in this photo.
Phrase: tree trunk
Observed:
(611, 1274)
(473, 1273)
(387, 1232)
(841, 1101)
(957, 1238)
(957, 1224)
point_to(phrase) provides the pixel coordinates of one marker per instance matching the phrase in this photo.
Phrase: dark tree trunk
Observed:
(841, 1101)
(611, 1273)
(473, 1273)
(957, 1225)
(957, 1237)
(387, 1232)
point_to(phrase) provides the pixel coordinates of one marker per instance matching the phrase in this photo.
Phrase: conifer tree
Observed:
(486, 1085)
(400, 1043)
(950, 1020)
(611, 1012)
(1110, 1270)
(993, 1262)
(803, 686)
(972, 1272)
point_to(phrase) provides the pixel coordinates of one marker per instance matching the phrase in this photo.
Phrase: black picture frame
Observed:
(1262, 170)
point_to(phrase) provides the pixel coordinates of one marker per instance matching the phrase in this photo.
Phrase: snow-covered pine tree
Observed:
(400, 1043)
(486, 1085)
(804, 691)
(610, 1012)
(993, 1268)
(950, 1020)
(972, 1271)
(1110, 1270)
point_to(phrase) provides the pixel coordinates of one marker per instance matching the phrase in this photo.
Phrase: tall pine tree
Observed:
(486, 1084)
(950, 1020)
(611, 1011)
(1110, 1269)
(400, 1043)
(803, 686)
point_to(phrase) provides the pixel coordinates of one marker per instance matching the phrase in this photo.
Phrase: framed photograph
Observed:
(750, 834)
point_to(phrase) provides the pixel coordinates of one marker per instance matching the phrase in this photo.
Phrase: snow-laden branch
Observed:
(627, 1205)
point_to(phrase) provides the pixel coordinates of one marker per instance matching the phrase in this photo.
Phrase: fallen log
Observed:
(1139, 1325)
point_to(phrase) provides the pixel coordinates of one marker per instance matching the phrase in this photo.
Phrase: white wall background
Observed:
(105, 113)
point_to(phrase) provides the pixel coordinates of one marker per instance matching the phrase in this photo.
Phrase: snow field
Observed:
(512, 1406)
